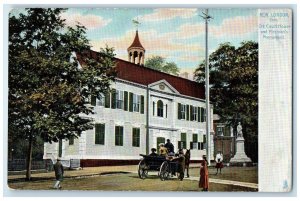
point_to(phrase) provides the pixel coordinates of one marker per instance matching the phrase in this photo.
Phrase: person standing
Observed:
(59, 173)
(203, 181)
(219, 162)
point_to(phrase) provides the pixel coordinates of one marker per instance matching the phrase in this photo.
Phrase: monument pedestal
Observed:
(240, 158)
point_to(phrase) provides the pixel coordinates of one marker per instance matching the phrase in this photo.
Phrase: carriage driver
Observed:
(170, 147)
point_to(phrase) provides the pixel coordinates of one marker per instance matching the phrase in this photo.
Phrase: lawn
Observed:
(243, 174)
(123, 182)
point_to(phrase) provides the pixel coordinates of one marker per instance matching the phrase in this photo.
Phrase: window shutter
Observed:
(179, 145)
(195, 137)
(179, 111)
(71, 140)
(199, 146)
(191, 113)
(125, 100)
(187, 112)
(113, 99)
(142, 104)
(121, 134)
(93, 100)
(153, 108)
(107, 100)
(97, 134)
(133, 137)
(130, 102)
(166, 111)
(202, 114)
(102, 133)
(116, 135)
(191, 145)
(199, 113)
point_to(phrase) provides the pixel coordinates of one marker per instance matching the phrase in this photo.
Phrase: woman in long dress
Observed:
(203, 182)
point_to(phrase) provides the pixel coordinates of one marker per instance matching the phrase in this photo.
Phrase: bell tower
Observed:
(136, 52)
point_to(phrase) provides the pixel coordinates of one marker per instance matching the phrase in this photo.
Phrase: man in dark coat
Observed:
(170, 147)
(181, 164)
(59, 173)
(153, 150)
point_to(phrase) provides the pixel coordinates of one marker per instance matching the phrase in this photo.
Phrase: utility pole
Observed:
(206, 17)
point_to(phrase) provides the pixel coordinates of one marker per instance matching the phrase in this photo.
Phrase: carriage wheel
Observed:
(142, 171)
(164, 171)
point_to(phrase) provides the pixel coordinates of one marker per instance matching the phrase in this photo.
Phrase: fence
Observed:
(20, 164)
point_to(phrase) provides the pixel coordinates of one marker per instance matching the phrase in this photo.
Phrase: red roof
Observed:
(145, 76)
(136, 42)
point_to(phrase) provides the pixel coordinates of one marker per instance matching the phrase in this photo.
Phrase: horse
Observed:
(187, 156)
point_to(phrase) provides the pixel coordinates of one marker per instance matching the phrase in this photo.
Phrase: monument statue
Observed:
(239, 130)
(240, 155)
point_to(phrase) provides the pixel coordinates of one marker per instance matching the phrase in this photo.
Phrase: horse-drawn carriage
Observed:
(165, 167)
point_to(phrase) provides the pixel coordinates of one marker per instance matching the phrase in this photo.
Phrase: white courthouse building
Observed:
(145, 108)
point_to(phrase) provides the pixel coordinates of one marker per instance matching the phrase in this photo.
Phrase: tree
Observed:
(47, 88)
(234, 88)
(159, 63)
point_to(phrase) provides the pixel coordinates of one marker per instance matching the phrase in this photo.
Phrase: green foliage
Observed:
(159, 63)
(47, 88)
(234, 88)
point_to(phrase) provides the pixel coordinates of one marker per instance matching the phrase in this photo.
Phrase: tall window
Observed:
(195, 141)
(97, 102)
(220, 130)
(101, 101)
(182, 142)
(194, 114)
(99, 133)
(160, 108)
(182, 110)
(119, 99)
(136, 103)
(135, 137)
(119, 135)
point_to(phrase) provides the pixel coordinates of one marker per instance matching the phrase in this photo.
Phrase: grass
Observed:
(243, 174)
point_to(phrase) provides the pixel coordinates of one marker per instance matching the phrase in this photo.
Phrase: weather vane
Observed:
(136, 23)
(205, 15)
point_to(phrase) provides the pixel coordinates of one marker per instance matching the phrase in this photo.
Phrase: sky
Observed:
(177, 34)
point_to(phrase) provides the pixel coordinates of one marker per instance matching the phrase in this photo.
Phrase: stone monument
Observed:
(240, 157)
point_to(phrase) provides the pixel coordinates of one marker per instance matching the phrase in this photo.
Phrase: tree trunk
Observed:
(29, 159)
